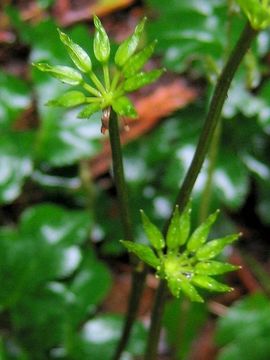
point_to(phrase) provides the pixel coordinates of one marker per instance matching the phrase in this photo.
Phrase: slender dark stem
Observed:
(139, 271)
(211, 122)
(119, 177)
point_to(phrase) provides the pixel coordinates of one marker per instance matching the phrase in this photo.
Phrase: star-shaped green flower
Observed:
(185, 261)
(257, 11)
(112, 89)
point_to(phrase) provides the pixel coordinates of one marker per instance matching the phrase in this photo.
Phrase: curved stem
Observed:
(139, 271)
(207, 191)
(212, 118)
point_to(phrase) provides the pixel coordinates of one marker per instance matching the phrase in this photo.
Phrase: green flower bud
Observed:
(129, 46)
(124, 107)
(143, 252)
(76, 53)
(69, 99)
(141, 79)
(214, 268)
(137, 61)
(189, 290)
(65, 74)
(214, 247)
(153, 233)
(89, 110)
(101, 42)
(200, 235)
(208, 283)
(178, 229)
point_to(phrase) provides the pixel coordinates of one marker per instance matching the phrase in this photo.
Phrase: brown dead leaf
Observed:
(67, 16)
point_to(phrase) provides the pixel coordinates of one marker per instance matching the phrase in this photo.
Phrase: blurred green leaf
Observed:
(48, 237)
(99, 337)
(182, 320)
(14, 98)
(15, 163)
(89, 287)
(244, 330)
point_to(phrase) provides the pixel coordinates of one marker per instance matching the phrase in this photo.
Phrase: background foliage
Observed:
(53, 278)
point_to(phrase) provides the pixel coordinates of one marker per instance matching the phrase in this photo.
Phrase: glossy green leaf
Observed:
(65, 74)
(214, 268)
(137, 61)
(144, 252)
(257, 12)
(99, 336)
(89, 110)
(124, 107)
(101, 42)
(154, 235)
(142, 79)
(78, 55)
(199, 236)
(129, 46)
(244, 330)
(15, 163)
(208, 283)
(69, 99)
(215, 247)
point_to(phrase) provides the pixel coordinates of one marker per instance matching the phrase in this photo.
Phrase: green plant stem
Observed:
(212, 158)
(119, 177)
(139, 271)
(212, 118)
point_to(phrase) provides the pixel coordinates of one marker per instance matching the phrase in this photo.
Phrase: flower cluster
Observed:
(185, 261)
(257, 11)
(111, 91)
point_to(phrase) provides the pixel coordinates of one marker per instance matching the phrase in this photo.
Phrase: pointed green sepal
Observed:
(69, 99)
(174, 286)
(214, 268)
(144, 252)
(199, 236)
(153, 233)
(89, 110)
(124, 107)
(179, 228)
(215, 247)
(101, 42)
(80, 58)
(137, 61)
(142, 79)
(129, 46)
(189, 290)
(65, 74)
(208, 283)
